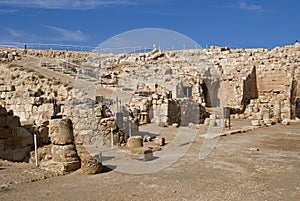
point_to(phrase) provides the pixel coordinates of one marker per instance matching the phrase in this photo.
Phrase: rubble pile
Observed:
(9, 55)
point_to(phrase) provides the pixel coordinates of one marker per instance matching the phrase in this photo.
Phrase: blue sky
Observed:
(232, 23)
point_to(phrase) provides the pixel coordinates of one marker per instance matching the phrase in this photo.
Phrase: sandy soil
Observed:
(262, 164)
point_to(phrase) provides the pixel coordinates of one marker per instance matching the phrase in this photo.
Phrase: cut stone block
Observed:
(160, 141)
(90, 165)
(135, 142)
(64, 153)
(61, 131)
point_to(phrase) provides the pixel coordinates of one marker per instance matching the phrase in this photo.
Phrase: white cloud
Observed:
(66, 4)
(7, 11)
(251, 7)
(17, 35)
(54, 34)
(14, 33)
(67, 35)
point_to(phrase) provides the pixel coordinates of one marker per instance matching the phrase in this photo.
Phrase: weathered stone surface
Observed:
(160, 141)
(90, 165)
(13, 121)
(44, 154)
(268, 122)
(143, 153)
(61, 167)
(135, 142)
(3, 111)
(147, 138)
(256, 122)
(64, 153)
(24, 137)
(5, 133)
(43, 137)
(3, 121)
(285, 122)
(61, 131)
(7, 154)
(21, 154)
(15, 141)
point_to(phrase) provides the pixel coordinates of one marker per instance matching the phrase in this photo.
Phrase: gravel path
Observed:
(262, 164)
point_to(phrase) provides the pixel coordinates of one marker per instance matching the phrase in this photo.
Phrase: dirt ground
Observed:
(263, 164)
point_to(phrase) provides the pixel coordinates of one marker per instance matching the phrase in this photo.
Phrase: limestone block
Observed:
(285, 122)
(21, 154)
(61, 167)
(191, 125)
(43, 136)
(147, 138)
(90, 164)
(159, 102)
(111, 124)
(45, 123)
(6, 154)
(2, 145)
(159, 141)
(44, 154)
(258, 116)
(212, 122)
(3, 111)
(61, 131)
(28, 107)
(13, 121)
(85, 132)
(144, 152)
(5, 133)
(256, 122)
(135, 142)
(268, 122)
(103, 120)
(22, 116)
(143, 107)
(12, 143)
(207, 121)
(98, 112)
(3, 122)
(64, 153)
(266, 116)
(3, 95)
(24, 137)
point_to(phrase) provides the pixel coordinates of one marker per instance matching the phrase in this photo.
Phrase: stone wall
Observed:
(259, 74)
(266, 76)
(30, 95)
(15, 141)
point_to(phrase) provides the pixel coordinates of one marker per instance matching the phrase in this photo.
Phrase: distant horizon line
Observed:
(87, 48)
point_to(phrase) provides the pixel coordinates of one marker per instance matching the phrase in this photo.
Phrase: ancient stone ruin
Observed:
(73, 100)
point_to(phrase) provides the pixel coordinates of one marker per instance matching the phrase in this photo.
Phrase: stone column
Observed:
(277, 111)
(63, 150)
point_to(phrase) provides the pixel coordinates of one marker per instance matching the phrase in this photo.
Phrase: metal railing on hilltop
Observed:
(81, 48)
(45, 46)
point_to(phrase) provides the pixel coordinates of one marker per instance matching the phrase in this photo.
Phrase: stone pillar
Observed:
(61, 131)
(63, 150)
(277, 111)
